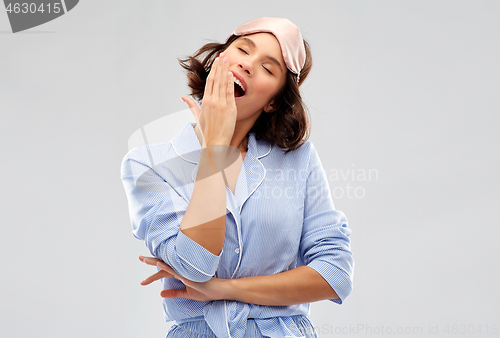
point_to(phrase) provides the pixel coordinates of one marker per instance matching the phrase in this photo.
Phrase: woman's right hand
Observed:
(217, 117)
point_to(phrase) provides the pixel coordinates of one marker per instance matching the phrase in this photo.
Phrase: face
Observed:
(256, 60)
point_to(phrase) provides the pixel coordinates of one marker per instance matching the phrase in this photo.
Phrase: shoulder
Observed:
(154, 153)
(146, 153)
(302, 154)
(141, 159)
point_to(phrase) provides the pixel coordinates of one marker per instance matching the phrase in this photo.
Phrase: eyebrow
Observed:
(251, 43)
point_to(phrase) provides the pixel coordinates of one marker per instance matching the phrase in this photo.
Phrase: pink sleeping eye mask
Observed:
(288, 36)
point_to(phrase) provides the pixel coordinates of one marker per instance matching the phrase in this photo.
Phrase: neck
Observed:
(240, 139)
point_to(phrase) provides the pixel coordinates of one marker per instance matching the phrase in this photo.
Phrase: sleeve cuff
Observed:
(340, 282)
(199, 263)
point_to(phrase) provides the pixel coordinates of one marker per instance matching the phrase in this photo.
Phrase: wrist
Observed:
(230, 289)
(219, 142)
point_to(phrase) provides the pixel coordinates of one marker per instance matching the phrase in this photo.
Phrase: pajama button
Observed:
(237, 250)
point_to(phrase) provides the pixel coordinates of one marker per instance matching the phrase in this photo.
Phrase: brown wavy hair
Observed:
(289, 126)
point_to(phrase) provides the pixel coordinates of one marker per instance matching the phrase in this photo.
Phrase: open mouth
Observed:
(238, 91)
(239, 87)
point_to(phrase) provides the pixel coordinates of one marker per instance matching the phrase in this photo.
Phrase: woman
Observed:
(238, 214)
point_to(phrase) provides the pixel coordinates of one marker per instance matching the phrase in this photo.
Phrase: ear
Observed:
(270, 107)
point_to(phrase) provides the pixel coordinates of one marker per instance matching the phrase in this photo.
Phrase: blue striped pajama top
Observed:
(280, 217)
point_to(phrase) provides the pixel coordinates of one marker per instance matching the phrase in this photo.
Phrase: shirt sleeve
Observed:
(325, 243)
(156, 211)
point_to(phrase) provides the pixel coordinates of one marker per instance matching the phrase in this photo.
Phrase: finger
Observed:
(223, 80)
(210, 79)
(149, 260)
(174, 274)
(174, 293)
(166, 267)
(186, 282)
(216, 84)
(159, 275)
(193, 107)
(231, 102)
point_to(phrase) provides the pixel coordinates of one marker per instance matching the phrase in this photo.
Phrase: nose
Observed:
(246, 66)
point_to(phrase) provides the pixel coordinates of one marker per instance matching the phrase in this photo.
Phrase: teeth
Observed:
(239, 83)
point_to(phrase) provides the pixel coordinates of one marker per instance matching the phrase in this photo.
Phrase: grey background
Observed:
(406, 88)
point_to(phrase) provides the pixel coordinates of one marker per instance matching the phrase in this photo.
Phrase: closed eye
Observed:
(244, 51)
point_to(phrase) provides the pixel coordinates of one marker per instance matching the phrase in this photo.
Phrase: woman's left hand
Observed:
(214, 289)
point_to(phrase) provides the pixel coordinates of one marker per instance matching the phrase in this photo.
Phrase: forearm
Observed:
(297, 286)
(205, 219)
